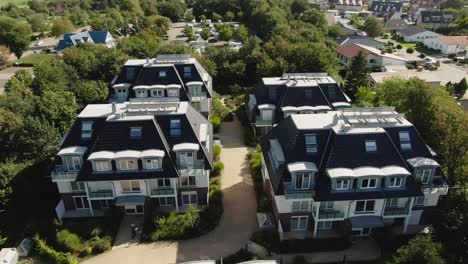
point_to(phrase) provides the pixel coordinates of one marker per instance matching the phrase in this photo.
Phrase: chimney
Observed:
(114, 108)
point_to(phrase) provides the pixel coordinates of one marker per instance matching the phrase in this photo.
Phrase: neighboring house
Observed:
(386, 9)
(415, 34)
(359, 39)
(348, 5)
(435, 19)
(167, 77)
(349, 172)
(429, 77)
(319, 4)
(448, 44)
(139, 156)
(374, 57)
(393, 25)
(96, 37)
(275, 98)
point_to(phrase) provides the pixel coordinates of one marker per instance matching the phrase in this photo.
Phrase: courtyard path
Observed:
(236, 225)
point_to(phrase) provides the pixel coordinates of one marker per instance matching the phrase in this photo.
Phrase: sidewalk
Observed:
(124, 236)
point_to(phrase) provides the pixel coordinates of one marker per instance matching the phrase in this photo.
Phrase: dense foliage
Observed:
(50, 255)
(420, 250)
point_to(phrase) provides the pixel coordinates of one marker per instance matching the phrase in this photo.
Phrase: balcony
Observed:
(163, 191)
(101, 194)
(392, 211)
(61, 173)
(259, 121)
(438, 186)
(290, 192)
(197, 97)
(197, 169)
(331, 214)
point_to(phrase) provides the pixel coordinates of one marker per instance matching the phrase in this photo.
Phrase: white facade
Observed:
(421, 37)
(438, 44)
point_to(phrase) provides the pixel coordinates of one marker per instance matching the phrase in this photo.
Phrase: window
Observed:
(141, 93)
(127, 165)
(302, 181)
(395, 182)
(162, 74)
(365, 206)
(188, 72)
(311, 143)
(189, 198)
(372, 61)
(173, 92)
(326, 205)
(267, 114)
(368, 183)
(175, 128)
(151, 164)
(130, 186)
(300, 206)
(188, 181)
(405, 143)
(342, 184)
(135, 132)
(102, 165)
(424, 175)
(157, 93)
(81, 202)
(186, 160)
(164, 183)
(418, 201)
(324, 225)
(166, 201)
(105, 203)
(392, 202)
(73, 163)
(86, 129)
(299, 223)
(77, 186)
(371, 145)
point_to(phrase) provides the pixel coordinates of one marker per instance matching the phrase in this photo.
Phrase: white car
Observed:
(39, 43)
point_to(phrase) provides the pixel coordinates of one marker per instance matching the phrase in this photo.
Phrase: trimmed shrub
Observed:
(399, 46)
(216, 122)
(70, 241)
(422, 56)
(217, 152)
(409, 50)
(100, 245)
(386, 36)
(218, 167)
(50, 255)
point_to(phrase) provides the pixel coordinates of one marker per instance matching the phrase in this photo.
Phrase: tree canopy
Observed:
(16, 35)
(420, 250)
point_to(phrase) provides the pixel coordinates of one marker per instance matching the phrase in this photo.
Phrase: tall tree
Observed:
(420, 250)
(357, 76)
(373, 26)
(15, 35)
(62, 26)
(317, 19)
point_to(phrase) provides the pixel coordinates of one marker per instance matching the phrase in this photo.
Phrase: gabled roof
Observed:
(411, 30)
(73, 39)
(352, 50)
(359, 39)
(394, 24)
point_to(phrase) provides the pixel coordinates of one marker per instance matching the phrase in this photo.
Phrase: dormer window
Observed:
(395, 182)
(371, 145)
(342, 185)
(173, 92)
(368, 183)
(141, 93)
(405, 143)
(102, 165)
(151, 164)
(311, 143)
(157, 93)
(127, 165)
(175, 128)
(135, 132)
(86, 129)
(424, 175)
(302, 181)
(162, 74)
(188, 72)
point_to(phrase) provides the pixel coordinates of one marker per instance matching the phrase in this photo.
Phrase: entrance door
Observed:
(134, 209)
(81, 202)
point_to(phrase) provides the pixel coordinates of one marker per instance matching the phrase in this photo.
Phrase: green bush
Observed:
(409, 50)
(218, 167)
(176, 226)
(71, 242)
(217, 152)
(216, 122)
(386, 36)
(399, 46)
(99, 245)
(49, 255)
(422, 56)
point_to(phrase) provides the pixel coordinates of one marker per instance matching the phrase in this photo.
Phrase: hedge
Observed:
(218, 167)
(50, 255)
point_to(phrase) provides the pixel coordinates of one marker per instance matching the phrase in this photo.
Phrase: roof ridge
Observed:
(165, 144)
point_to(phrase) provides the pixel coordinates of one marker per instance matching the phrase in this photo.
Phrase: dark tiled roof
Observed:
(358, 39)
(394, 24)
(410, 31)
(436, 17)
(385, 7)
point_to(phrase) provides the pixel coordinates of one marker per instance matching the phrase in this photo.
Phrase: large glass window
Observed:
(77, 186)
(395, 182)
(405, 142)
(424, 175)
(130, 186)
(311, 143)
(164, 183)
(392, 202)
(166, 201)
(365, 206)
(300, 206)
(186, 159)
(369, 183)
(81, 202)
(127, 164)
(188, 181)
(102, 165)
(302, 181)
(175, 128)
(299, 223)
(189, 198)
(342, 185)
(152, 164)
(73, 163)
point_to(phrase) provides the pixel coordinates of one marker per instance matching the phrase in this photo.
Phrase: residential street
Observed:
(234, 230)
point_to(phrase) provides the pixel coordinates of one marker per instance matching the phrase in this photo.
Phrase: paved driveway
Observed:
(234, 230)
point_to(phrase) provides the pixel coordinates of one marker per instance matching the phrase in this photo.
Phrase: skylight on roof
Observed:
(135, 132)
(405, 142)
(371, 145)
(86, 129)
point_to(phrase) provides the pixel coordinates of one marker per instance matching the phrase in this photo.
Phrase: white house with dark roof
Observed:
(435, 19)
(275, 98)
(164, 78)
(448, 44)
(415, 34)
(139, 156)
(349, 172)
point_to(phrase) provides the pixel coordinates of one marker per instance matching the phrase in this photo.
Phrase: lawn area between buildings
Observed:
(33, 59)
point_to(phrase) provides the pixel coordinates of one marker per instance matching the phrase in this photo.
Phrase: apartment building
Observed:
(164, 78)
(275, 98)
(350, 171)
(138, 156)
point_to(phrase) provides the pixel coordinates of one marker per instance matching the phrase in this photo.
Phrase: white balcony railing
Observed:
(61, 173)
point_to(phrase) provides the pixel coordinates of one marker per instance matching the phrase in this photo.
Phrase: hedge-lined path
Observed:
(234, 230)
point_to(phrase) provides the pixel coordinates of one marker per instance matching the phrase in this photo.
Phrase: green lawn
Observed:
(34, 59)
